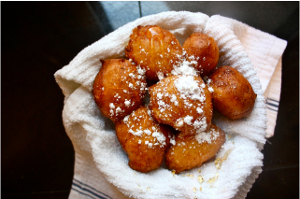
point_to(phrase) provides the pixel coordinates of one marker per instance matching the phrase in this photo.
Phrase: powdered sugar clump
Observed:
(200, 125)
(184, 68)
(208, 137)
(188, 87)
(127, 103)
(172, 140)
(160, 137)
(160, 75)
(188, 120)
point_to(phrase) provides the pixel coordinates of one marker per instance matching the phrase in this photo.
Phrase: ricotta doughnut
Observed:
(203, 51)
(233, 95)
(183, 102)
(192, 151)
(119, 88)
(144, 140)
(155, 50)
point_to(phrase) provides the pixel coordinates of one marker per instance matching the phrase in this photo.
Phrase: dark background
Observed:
(37, 39)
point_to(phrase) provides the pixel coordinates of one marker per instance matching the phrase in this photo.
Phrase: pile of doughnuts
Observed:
(161, 98)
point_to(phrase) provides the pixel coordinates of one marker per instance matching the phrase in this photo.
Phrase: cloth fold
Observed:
(101, 169)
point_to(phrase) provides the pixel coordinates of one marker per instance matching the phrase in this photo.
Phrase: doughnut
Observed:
(144, 140)
(192, 151)
(183, 102)
(202, 51)
(155, 50)
(233, 95)
(119, 88)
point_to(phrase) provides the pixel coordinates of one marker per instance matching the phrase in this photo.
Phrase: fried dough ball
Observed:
(192, 151)
(155, 50)
(183, 102)
(119, 88)
(233, 95)
(144, 140)
(203, 52)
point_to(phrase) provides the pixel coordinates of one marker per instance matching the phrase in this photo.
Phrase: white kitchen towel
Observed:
(101, 169)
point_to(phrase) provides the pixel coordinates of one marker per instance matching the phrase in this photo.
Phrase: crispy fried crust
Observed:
(144, 140)
(233, 95)
(182, 112)
(118, 88)
(154, 49)
(192, 151)
(204, 49)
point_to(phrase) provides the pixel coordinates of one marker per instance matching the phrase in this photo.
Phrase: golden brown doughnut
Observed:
(233, 95)
(144, 140)
(183, 102)
(154, 49)
(203, 50)
(192, 151)
(119, 88)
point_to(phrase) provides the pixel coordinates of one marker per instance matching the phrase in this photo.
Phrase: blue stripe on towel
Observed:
(82, 193)
(273, 100)
(276, 106)
(272, 104)
(271, 109)
(90, 189)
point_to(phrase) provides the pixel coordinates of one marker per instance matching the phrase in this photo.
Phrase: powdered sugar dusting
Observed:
(160, 75)
(208, 137)
(200, 125)
(152, 134)
(188, 120)
(127, 103)
(188, 87)
(209, 84)
(185, 67)
(172, 140)
(160, 137)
